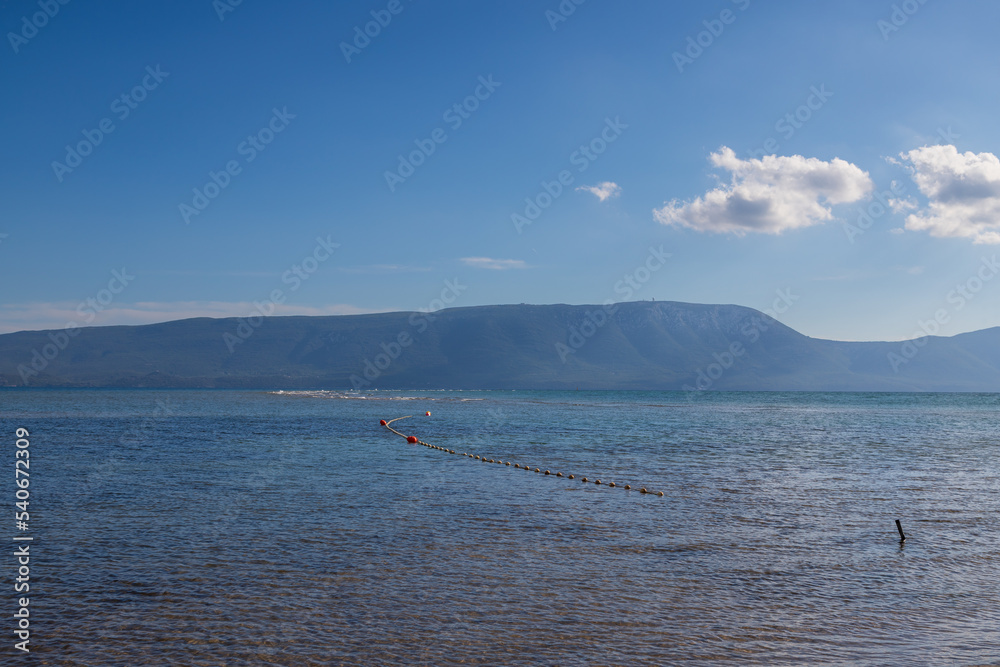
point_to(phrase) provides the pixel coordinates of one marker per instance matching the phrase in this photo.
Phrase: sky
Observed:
(831, 163)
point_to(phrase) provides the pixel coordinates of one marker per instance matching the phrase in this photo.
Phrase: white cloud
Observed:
(769, 195)
(57, 315)
(495, 264)
(962, 189)
(900, 205)
(603, 191)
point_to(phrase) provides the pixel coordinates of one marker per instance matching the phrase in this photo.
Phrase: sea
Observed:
(193, 527)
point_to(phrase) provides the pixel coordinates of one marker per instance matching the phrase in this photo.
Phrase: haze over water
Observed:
(289, 528)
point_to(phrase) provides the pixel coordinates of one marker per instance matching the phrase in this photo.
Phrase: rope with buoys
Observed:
(414, 440)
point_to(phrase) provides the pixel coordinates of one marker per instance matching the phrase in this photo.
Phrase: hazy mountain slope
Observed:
(640, 345)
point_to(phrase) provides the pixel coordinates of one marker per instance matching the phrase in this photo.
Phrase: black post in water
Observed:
(900, 529)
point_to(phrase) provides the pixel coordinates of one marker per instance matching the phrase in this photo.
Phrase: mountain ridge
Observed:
(632, 345)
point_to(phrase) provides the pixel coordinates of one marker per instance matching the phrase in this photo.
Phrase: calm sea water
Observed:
(233, 527)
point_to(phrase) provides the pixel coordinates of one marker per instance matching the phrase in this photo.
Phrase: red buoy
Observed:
(428, 414)
(382, 422)
(412, 439)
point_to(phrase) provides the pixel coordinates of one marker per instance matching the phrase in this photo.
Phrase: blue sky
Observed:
(748, 158)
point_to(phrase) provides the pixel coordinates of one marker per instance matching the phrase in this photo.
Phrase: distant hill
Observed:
(640, 345)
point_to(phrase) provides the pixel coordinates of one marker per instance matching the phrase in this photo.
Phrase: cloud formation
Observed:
(494, 264)
(962, 189)
(769, 195)
(603, 191)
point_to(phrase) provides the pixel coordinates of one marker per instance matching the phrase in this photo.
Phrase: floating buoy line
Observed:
(414, 440)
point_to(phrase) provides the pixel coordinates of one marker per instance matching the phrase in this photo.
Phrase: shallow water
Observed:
(289, 528)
